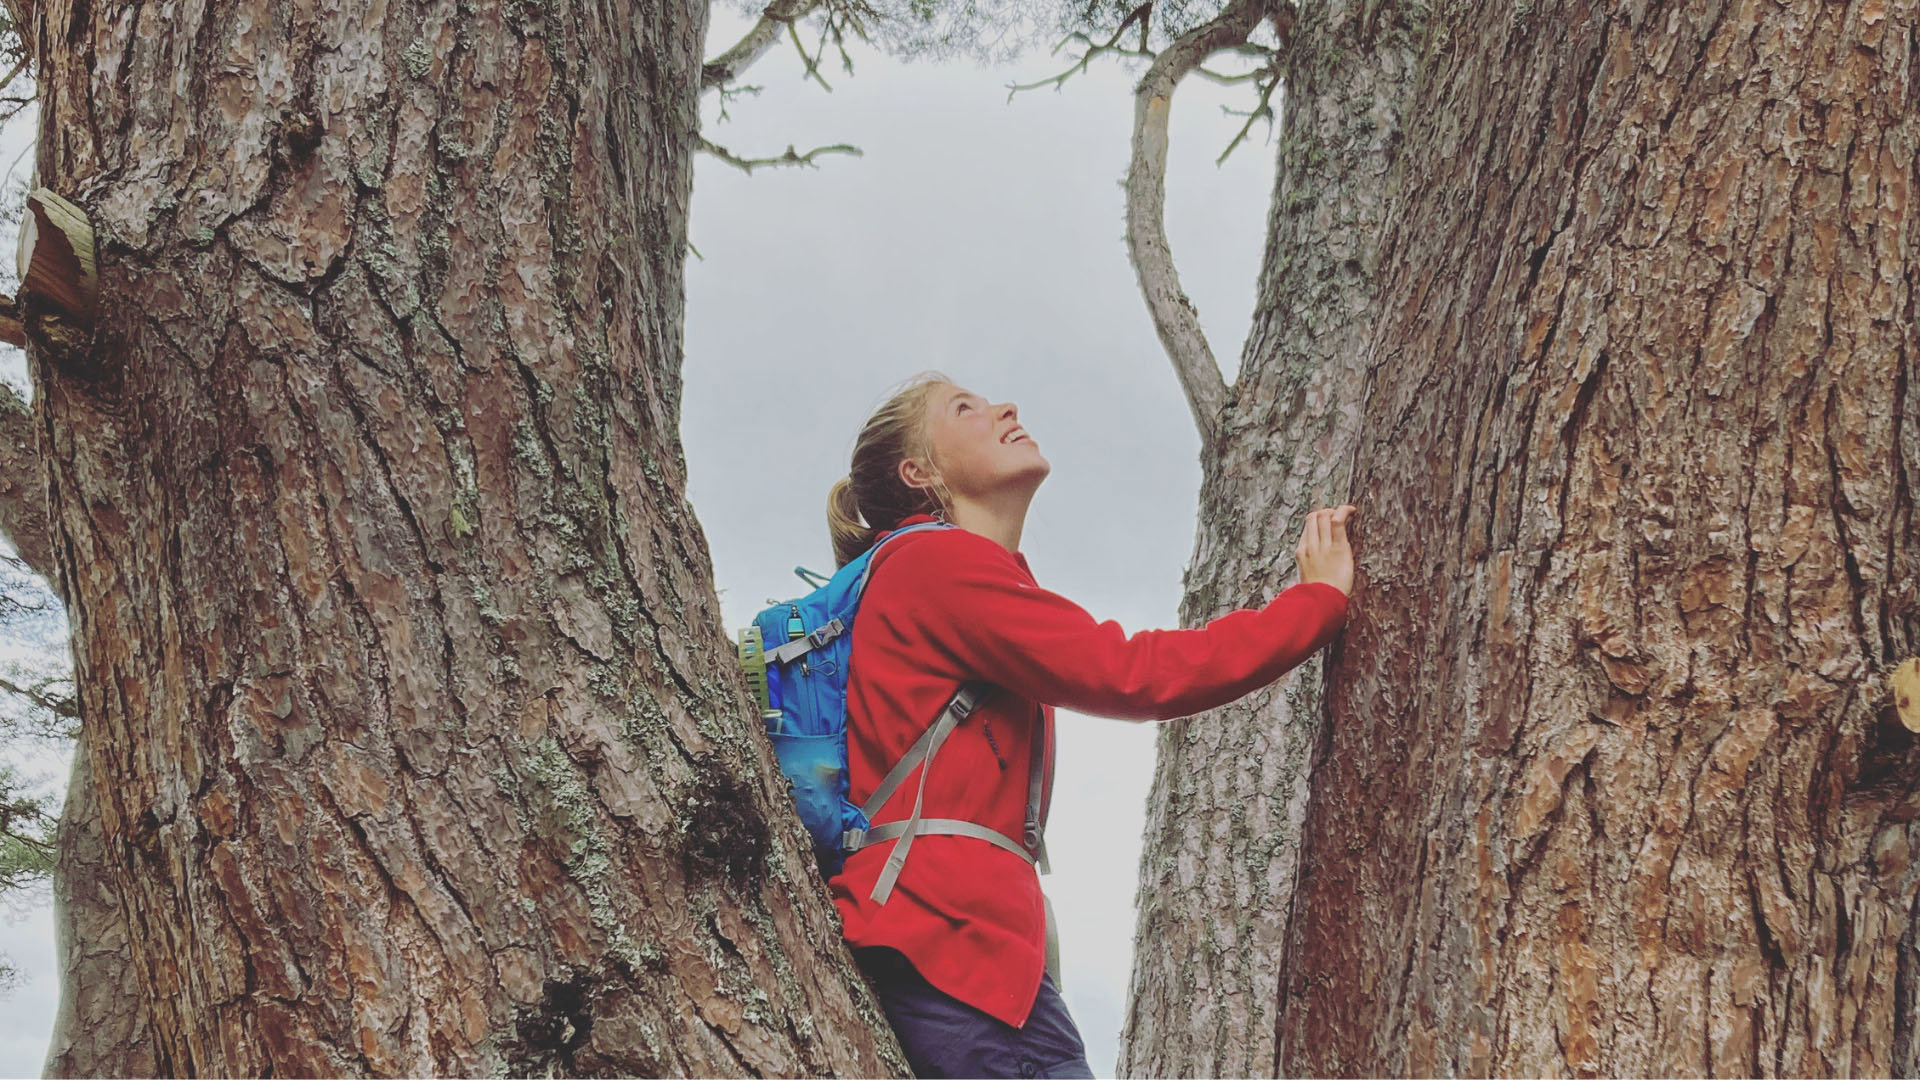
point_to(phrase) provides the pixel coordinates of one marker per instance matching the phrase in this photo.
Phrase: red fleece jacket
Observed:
(947, 606)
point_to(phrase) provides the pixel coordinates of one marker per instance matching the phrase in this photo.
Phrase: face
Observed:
(979, 447)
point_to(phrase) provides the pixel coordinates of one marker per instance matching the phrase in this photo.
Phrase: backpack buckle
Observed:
(853, 840)
(826, 633)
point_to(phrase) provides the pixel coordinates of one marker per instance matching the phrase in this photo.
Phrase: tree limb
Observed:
(1174, 317)
(813, 61)
(12, 330)
(67, 708)
(23, 491)
(791, 157)
(1269, 82)
(21, 13)
(754, 44)
(1111, 45)
(18, 68)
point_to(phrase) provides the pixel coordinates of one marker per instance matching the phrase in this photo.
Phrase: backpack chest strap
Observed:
(933, 826)
(921, 753)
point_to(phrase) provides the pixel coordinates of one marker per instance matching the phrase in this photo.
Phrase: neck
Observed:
(999, 518)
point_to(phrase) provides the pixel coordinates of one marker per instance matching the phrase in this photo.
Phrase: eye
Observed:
(962, 405)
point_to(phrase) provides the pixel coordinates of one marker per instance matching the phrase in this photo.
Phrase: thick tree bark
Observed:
(1610, 781)
(1613, 784)
(1221, 854)
(23, 486)
(100, 1027)
(415, 738)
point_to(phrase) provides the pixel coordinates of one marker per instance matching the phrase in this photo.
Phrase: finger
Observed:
(1323, 531)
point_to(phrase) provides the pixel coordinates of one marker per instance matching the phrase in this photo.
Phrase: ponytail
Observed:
(851, 536)
(872, 498)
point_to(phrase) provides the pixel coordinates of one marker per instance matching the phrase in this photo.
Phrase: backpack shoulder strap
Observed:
(959, 707)
(921, 753)
(1034, 834)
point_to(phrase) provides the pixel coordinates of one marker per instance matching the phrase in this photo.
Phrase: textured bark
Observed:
(1221, 852)
(416, 741)
(101, 1028)
(1613, 784)
(1609, 781)
(23, 483)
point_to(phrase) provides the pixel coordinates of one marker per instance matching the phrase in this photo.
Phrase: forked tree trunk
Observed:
(1610, 781)
(414, 734)
(1222, 850)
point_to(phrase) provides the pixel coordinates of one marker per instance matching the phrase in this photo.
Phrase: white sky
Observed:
(978, 237)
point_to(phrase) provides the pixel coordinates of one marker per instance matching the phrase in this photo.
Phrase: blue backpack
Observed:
(795, 657)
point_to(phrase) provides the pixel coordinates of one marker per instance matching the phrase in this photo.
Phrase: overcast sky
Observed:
(977, 237)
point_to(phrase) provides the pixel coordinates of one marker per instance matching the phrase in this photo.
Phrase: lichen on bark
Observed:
(416, 741)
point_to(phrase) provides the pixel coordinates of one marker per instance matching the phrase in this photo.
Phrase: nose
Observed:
(1008, 410)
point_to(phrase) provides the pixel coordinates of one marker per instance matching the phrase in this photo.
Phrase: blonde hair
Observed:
(872, 498)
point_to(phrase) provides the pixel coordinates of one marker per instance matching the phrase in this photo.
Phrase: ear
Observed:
(915, 474)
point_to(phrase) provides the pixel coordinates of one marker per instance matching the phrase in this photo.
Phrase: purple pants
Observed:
(945, 1037)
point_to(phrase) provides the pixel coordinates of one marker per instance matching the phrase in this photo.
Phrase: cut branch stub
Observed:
(1906, 692)
(56, 257)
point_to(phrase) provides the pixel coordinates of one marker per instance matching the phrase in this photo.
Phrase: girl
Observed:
(956, 939)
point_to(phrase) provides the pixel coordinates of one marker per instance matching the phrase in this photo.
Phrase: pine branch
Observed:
(718, 72)
(1110, 46)
(791, 158)
(67, 708)
(1262, 111)
(812, 62)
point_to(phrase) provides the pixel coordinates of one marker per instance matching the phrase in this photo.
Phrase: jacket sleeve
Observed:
(968, 599)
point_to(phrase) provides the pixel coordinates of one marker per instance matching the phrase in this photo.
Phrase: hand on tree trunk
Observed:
(1324, 554)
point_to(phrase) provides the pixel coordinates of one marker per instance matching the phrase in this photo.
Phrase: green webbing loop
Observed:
(753, 661)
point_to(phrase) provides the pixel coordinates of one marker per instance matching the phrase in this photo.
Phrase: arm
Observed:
(978, 608)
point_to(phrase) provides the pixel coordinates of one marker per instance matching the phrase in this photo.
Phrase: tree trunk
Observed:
(1610, 779)
(415, 737)
(101, 1028)
(1221, 853)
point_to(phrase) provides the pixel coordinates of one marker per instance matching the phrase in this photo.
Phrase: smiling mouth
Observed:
(1017, 437)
